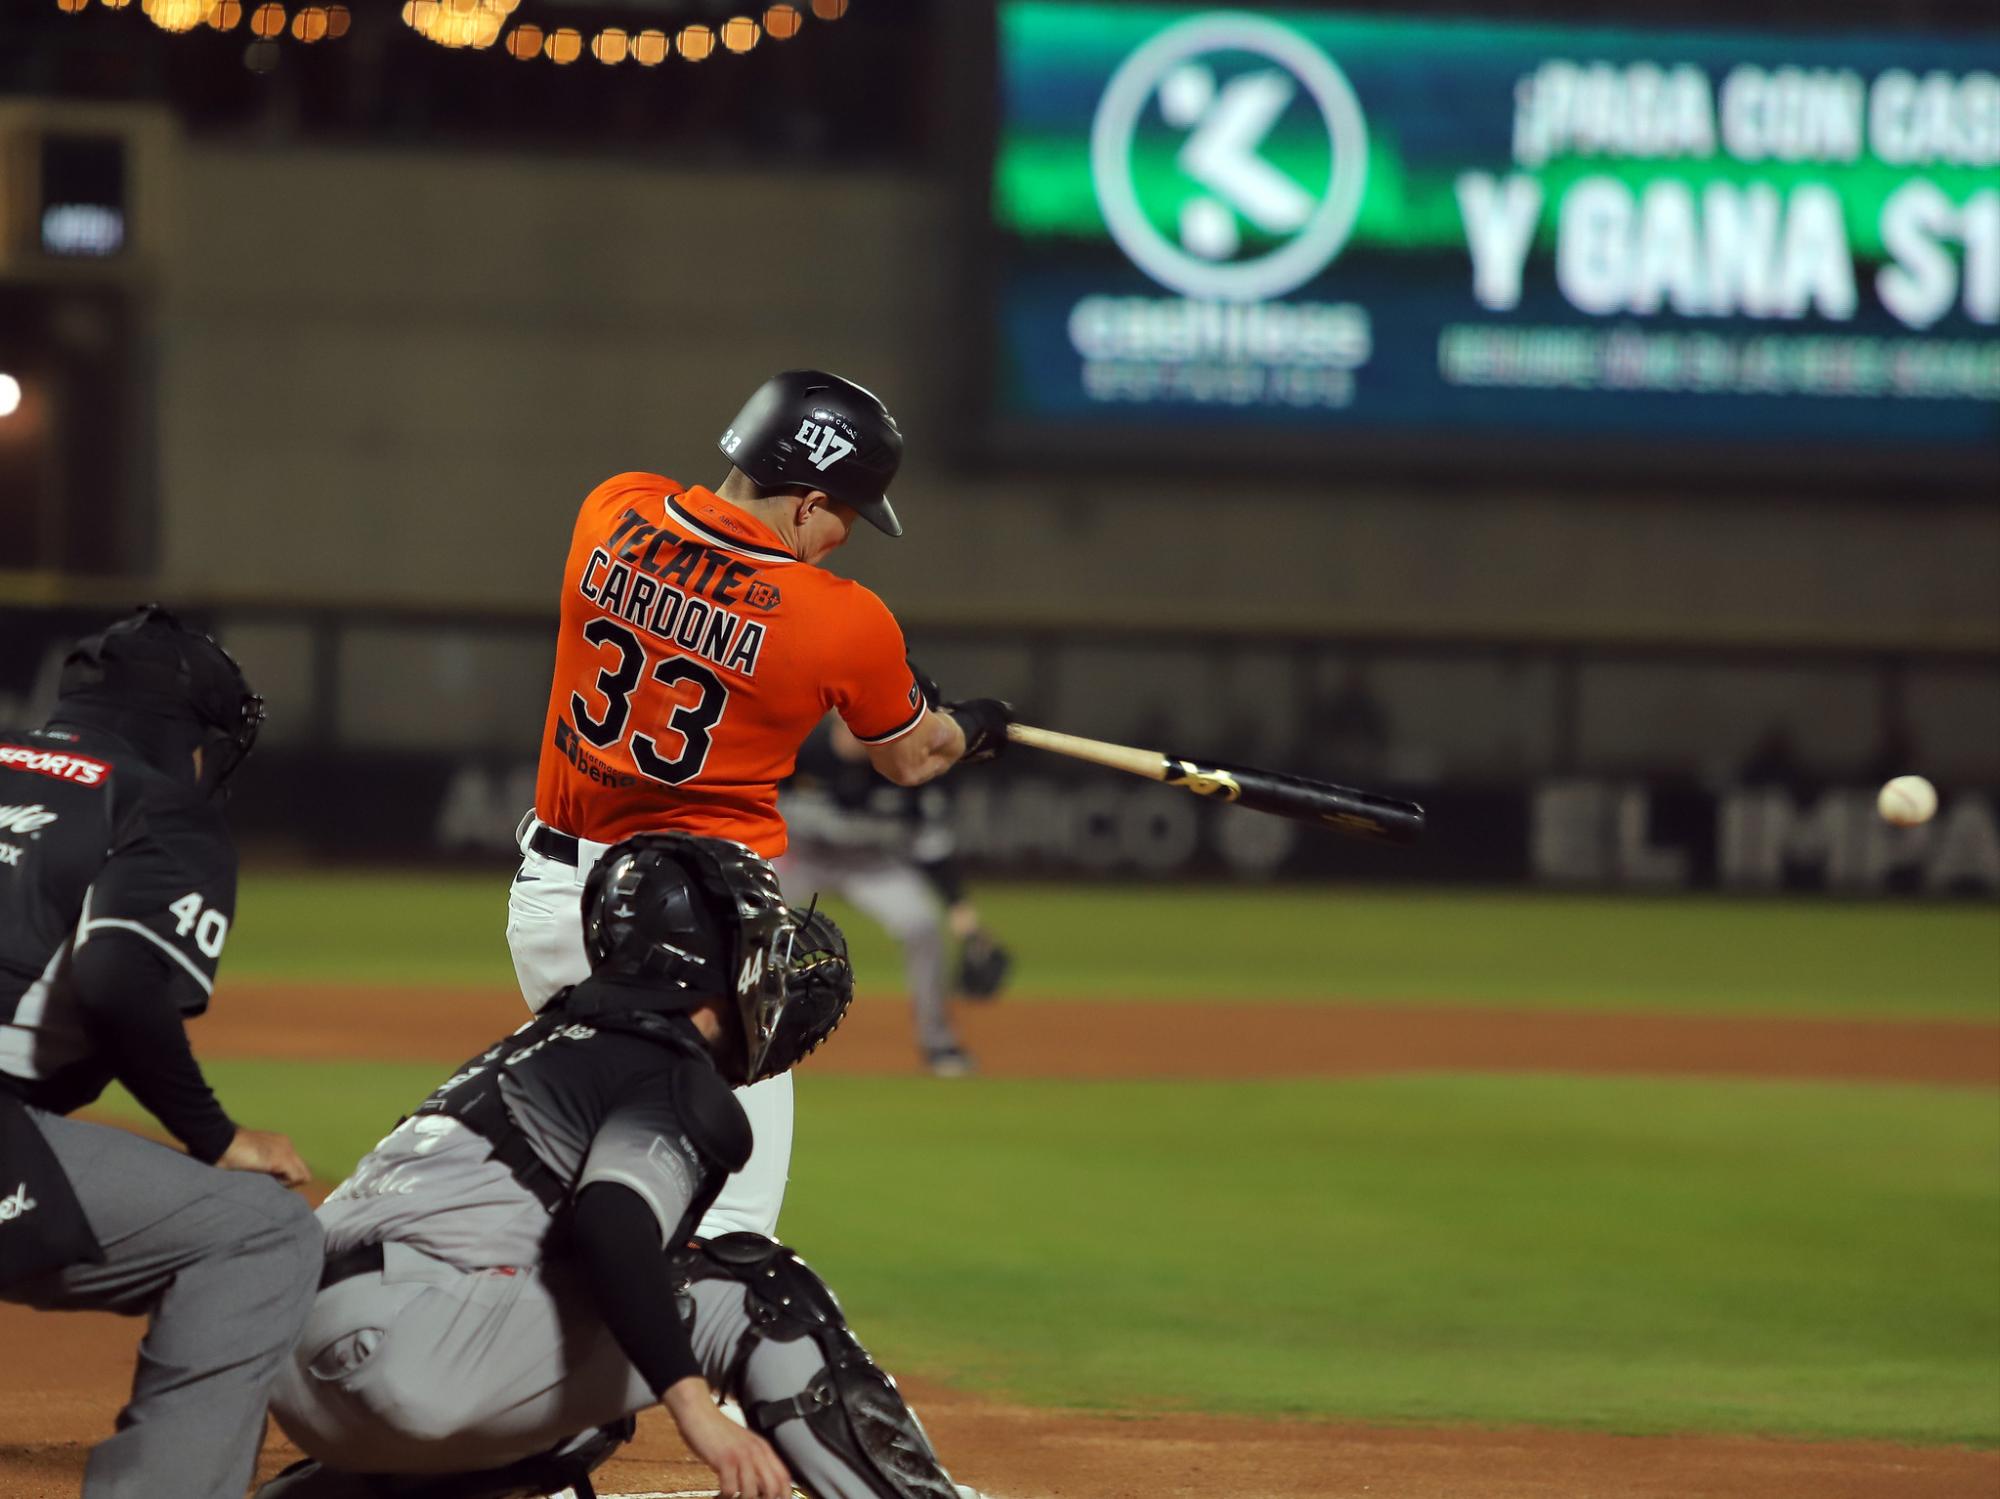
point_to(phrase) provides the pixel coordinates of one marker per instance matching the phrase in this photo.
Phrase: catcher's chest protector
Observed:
(710, 1115)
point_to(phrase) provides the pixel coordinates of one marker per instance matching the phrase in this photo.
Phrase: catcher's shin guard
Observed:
(849, 1404)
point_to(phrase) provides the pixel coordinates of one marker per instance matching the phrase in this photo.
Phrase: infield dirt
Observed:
(1065, 1039)
(62, 1377)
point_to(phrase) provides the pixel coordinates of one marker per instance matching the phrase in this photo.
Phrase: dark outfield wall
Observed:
(1030, 815)
(1015, 818)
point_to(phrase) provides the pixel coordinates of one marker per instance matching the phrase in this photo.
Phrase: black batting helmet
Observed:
(165, 687)
(703, 918)
(806, 427)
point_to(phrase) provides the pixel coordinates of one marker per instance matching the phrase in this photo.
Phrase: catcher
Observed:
(890, 850)
(510, 1275)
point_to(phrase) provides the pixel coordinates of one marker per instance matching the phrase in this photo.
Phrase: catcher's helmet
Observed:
(702, 918)
(154, 680)
(809, 428)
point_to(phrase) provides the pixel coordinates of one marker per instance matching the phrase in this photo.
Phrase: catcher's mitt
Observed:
(983, 965)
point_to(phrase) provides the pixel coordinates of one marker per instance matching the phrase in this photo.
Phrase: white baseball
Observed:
(1907, 801)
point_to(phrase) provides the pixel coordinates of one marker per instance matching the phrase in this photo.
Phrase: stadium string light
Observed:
(525, 42)
(480, 24)
(459, 23)
(611, 45)
(176, 15)
(564, 46)
(695, 42)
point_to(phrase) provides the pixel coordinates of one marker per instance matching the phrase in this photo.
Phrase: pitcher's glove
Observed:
(983, 965)
(985, 721)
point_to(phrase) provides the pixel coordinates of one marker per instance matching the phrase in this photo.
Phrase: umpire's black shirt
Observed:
(117, 888)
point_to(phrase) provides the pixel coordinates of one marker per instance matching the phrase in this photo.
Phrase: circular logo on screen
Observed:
(1229, 156)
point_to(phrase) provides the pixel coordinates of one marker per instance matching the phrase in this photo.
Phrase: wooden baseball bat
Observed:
(1357, 814)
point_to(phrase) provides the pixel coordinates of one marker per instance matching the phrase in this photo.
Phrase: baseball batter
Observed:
(510, 1274)
(891, 852)
(117, 887)
(700, 642)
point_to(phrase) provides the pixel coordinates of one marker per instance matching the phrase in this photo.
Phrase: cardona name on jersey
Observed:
(695, 625)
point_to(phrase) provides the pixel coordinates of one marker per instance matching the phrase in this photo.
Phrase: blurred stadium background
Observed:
(1588, 428)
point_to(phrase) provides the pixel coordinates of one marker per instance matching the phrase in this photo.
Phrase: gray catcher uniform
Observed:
(457, 1331)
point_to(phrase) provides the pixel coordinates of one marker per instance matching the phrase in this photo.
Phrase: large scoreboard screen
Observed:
(1277, 230)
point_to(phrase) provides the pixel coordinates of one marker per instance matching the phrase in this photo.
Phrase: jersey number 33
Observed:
(624, 671)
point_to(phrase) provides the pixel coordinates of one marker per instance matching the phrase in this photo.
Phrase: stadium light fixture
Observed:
(175, 15)
(695, 42)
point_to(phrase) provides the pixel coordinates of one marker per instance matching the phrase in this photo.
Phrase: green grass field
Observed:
(1620, 1254)
(1626, 1255)
(1694, 954)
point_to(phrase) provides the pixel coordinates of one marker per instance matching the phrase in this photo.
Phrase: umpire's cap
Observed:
(806, 427)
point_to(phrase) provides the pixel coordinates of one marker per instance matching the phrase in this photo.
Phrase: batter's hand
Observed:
(985, 721)
(266, 1153)
(746, 1466)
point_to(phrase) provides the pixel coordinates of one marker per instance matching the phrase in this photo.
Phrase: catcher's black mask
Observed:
(694, 919)
(167, 689)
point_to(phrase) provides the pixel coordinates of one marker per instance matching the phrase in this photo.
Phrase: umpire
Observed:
(117, 886)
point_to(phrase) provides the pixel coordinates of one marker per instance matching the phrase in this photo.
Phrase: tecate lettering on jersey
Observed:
(77, 768)
(13, 1207)
(29, 819)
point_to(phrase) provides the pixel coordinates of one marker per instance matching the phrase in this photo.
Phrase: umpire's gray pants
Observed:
(891, 891)
(423, 1368)
(224, 1263)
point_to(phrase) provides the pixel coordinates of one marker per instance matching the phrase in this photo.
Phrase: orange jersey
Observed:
(695, 656)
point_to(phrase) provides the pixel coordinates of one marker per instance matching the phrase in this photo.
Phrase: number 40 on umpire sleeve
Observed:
(210, 926)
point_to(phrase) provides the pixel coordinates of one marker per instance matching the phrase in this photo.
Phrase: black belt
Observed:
(363, 1259)
(550, 844)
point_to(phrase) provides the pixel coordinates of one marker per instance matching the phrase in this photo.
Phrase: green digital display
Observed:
(1233, 223)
